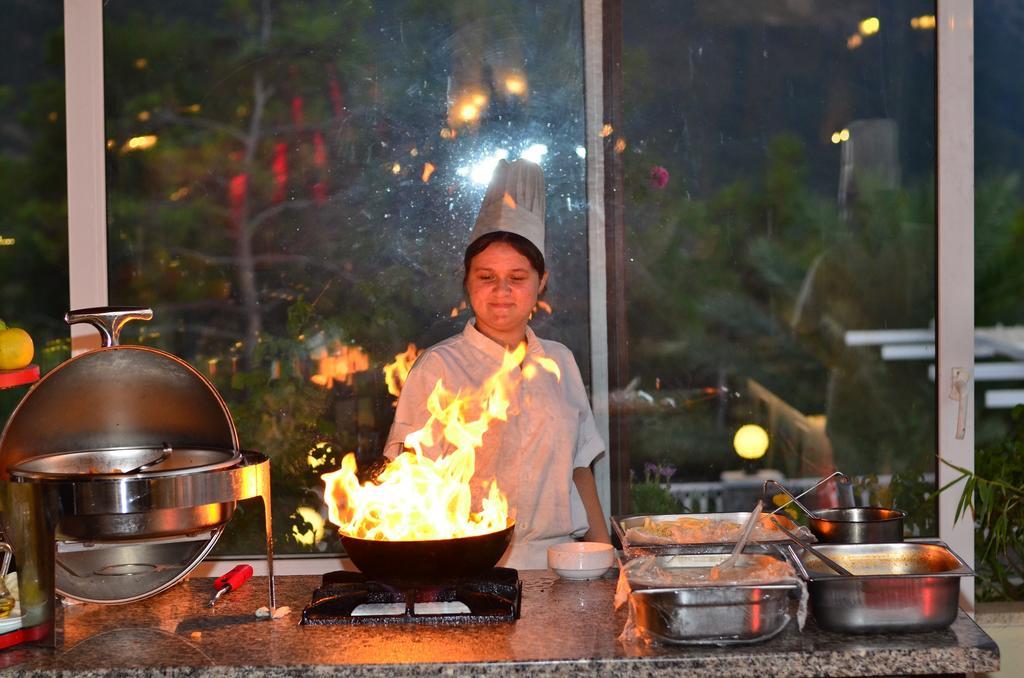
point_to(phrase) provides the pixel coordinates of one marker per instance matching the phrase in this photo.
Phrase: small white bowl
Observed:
(581, 559)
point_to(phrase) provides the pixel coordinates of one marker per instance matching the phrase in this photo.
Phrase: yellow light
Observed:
(139, 143)
(192, 108)
(925, 22)
(844, 135)
(143, 116)
(317, 456)
(620, 145)
(141, 63)
(396, 168)
(467, 107)
(606, 130)
(468, 112)
(428, 169)
(110, 144)
(750, 441)
(515, 84)
(6, 242)
(53, 116)
(869, 26)
(835, 138)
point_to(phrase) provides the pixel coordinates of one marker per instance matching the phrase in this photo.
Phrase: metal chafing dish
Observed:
(622, 524)
(120, 469)
(706, 614)
(904, 586)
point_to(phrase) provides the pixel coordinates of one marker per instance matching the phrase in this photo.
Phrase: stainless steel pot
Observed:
(138, 455)
(847, 525)
(107, 504)
(180, 515)
(858, 525)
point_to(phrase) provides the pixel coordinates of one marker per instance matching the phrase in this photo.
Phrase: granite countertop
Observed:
(567, 627)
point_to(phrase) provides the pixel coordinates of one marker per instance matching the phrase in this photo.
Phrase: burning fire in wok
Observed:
(419, 496)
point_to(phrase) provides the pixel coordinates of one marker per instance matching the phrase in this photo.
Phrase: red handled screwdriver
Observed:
(230, 580)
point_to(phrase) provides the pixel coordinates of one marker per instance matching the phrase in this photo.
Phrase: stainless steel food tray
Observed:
(709, 614)
(620, 524)
(904, 587)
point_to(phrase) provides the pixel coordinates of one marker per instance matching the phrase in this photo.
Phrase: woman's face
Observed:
(503, 288)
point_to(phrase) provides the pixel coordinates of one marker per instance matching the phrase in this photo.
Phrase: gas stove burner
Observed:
(350, 598)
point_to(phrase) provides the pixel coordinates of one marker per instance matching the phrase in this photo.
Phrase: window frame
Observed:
(87, 245)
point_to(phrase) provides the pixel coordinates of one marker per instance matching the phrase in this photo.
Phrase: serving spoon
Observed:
(748, 529)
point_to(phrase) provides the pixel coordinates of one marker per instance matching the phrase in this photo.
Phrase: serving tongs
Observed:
(813, 551)
(843, 480)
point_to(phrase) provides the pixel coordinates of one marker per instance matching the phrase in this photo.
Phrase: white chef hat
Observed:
(514, 203)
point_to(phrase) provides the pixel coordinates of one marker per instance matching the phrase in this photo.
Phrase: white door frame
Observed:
(955, 266)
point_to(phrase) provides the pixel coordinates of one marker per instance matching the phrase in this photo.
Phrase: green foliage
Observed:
(994, 496)
(909, 491)
(652, 498)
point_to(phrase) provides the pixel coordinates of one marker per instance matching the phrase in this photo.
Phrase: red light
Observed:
(279, 168)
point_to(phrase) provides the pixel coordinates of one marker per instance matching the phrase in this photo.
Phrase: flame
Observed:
(341, 364)
(458, 309)
(396, 373)
(417, 497)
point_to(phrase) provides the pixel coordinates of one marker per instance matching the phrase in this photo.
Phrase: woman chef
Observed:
(541, 456)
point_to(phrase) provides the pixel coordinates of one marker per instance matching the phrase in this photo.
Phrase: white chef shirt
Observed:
(549, 432)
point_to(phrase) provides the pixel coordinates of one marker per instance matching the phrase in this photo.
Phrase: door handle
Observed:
(958, 391)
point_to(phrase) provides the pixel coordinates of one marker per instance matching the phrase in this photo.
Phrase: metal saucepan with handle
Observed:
(850, 525)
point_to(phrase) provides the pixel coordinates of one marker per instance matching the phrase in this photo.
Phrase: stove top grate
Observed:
(494, 596)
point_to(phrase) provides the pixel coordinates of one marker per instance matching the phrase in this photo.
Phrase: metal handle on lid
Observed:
(108, 320)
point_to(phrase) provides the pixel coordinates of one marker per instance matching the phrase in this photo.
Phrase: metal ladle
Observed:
(810, 549)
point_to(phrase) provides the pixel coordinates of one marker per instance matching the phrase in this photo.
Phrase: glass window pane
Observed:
(33, 186)
(999, 247)
(778, 171)
(292, 193)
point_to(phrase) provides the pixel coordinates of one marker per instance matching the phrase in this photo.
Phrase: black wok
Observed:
(430, 560)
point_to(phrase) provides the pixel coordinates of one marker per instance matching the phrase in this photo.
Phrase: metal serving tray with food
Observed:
(697, 599)
(655, 535)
